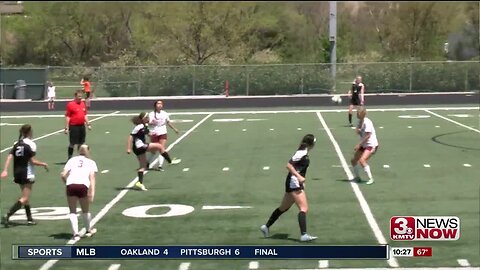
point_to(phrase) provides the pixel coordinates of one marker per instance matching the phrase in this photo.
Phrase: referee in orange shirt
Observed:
(75, 120)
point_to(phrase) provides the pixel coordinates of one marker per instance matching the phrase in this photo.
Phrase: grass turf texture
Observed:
(406, 188)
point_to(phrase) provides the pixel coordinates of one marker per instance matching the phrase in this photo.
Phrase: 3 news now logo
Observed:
(433, 228)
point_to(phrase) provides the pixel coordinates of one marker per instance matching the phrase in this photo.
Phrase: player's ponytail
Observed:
(24, 131)
(137, 120)
(307, 141)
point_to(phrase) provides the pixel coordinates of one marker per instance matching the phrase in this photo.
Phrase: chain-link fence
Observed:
(280, 79)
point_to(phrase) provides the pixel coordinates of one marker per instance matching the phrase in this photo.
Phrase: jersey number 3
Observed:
(80, 163)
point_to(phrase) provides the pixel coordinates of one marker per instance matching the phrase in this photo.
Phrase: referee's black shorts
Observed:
(77, 134)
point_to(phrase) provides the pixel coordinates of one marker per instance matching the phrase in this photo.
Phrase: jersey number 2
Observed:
(19, 152)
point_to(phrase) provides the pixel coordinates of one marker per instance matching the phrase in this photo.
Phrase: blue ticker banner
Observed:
(200, 252)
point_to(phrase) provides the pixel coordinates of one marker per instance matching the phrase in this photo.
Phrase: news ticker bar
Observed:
(21, 252)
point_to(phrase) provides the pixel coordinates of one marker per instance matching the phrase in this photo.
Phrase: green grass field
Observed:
(426, 166)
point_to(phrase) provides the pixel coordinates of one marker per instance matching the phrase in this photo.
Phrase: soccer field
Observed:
(427, 165)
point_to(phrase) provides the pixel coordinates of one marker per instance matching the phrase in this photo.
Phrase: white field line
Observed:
(184, 266)
(61, 130)
(463, 262)
(114, 267)
(358, 193)
(253, 265)
(253, 112)
(453, 121)
(122, 193)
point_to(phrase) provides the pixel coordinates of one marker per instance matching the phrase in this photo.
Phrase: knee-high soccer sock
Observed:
(161, 159)
(87, 217)
(167, 157)
(15, 207)
(70, 151)
(350, 118)
(274, 216)
(302, 222)
(367, 171)
(140, 176)
(28, 211)
(356, 171)
(74, 222)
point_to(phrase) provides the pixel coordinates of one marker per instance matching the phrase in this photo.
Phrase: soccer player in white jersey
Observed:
(51, 95)
(367, 146)
(159, 119)
(79, 177)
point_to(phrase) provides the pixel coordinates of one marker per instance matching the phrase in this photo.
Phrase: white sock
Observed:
(87, 217)
(356, 171)
(161, 159)
(74, 222)
(368, 172)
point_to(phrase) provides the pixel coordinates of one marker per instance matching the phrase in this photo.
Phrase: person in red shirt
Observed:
(75, 120)
(85, 82)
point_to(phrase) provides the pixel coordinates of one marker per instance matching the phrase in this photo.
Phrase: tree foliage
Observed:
(176, 33)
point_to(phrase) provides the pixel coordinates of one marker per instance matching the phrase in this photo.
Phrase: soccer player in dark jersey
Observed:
(294, 189)
(356, 96)
(22, 153)
(136, 142)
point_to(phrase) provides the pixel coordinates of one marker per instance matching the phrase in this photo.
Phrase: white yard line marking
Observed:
(216, 130)
(186, 169)
(358, 193)
(272, 129)
(122, 193)
(184, 266)
(463, 262)
(323, 264)
(453, 121)
(105, 171)
(244, 129)
(266, 168)
(253, 265)
(114, 267)
(409, 127)
(467, 165)
(61, 130)
(426, 165)
(299, 128)
(107, 132)
(380, 127)
(225, 169)
(437, 126)
(250, 112)
(386, 166)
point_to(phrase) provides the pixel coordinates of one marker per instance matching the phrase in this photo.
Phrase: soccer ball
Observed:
(337, 99)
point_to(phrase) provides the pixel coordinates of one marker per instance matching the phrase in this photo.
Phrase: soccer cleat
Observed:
(176, 161)
(31, 222)
(160, 168)
(370, 181)
(76, 237)
(5, 221)
(265, 230)
(91, 232)
(357, 180)
(306, 237)
(141, 186)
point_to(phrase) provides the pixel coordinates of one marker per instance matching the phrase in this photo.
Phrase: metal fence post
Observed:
(139, 88)
(411, 75)
(193, 80)
(248, 80)
(466, 79)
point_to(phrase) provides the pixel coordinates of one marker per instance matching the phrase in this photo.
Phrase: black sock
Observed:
(167, 157)
(275, 215)
(140, 177)
(15, 207)
(70, 152)
(350, 118)
(28, 212)
(302, 221)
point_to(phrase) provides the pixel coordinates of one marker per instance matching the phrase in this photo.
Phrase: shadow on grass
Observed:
(282, 236)
(64, 236)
